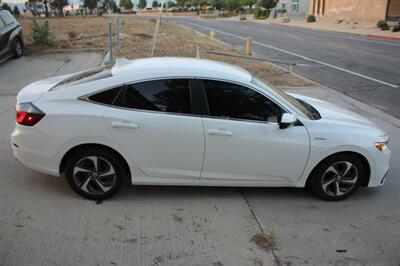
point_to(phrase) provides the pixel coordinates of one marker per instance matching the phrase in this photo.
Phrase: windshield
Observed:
(296, 104)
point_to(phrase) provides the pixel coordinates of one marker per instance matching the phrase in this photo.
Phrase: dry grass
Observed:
(72, 34)
(265, 241)
(136, 39)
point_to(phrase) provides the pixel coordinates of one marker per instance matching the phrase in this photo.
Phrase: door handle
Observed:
(220, 132)
(124, 125)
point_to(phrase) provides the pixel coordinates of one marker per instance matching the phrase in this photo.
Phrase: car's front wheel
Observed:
(338, 176)
(95, 174)
(18, 48)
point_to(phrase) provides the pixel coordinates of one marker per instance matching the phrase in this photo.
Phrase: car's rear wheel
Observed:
(337, 177)
(95, 174)
(18, 49)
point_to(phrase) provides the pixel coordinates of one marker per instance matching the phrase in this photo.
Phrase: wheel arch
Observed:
(93, 145)
(363, 159)
(16, 35)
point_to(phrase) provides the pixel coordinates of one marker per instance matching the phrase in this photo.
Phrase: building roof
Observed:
(180, 66)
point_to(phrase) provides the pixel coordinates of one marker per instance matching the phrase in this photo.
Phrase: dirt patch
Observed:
(265, 241)
(136, 41)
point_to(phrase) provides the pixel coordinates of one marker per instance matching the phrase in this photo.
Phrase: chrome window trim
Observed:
(85, 98)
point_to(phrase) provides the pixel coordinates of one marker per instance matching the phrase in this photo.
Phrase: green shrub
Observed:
(261, 14)
(381, 24)
(41, 34)
(396, 28)
(311, 18)
(257, 13)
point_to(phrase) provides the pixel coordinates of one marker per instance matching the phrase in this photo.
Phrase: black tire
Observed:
(330, 181)
(100, 186)
(18, 49)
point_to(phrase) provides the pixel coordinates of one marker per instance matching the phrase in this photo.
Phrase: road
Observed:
(365, 69)
(42, 222)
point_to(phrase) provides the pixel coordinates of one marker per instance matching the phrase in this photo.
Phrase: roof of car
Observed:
(179, 66)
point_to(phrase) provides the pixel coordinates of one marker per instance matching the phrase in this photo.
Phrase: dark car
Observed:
(11, 41)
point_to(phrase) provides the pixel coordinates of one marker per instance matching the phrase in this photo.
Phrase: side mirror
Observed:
(287, 120)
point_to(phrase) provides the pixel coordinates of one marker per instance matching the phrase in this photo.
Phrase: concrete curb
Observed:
(383, 37)
(80, 50)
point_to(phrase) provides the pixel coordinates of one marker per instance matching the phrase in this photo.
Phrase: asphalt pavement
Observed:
(365, 69)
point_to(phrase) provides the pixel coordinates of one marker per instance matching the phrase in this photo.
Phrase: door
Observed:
(155, 124)
(243, 139)
(393, 10)
(3, 36)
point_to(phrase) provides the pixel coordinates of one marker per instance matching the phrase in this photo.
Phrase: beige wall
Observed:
(360, 10)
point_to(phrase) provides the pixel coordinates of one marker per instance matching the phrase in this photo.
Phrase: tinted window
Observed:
(234, 101)
(172, 95)
(106, 97)
(7, 17)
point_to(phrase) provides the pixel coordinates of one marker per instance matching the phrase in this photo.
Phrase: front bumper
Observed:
(379, 167)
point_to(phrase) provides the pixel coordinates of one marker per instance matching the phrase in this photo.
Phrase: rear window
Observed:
(7, 17)
(105, 97)
(86, 76)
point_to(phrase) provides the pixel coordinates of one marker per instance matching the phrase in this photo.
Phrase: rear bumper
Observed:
(34, 149)
(35, 161)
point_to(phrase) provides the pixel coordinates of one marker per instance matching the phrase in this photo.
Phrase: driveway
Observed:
(365, 69)
(42, 222)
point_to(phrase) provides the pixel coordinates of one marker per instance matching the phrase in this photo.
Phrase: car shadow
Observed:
(60, 188)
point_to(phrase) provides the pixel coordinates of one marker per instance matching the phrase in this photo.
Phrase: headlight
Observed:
(381, 146)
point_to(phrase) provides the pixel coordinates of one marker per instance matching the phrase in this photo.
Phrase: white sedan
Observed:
(184, 121)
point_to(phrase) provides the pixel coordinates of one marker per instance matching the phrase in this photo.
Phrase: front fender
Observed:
(317, 156)
(17, 33)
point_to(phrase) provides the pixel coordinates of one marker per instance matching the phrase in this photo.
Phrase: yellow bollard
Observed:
(248, 45)
(212, 37)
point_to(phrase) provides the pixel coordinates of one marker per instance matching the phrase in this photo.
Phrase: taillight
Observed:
(28, 114)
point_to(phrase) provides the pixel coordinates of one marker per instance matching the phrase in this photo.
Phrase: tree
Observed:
(127, 4)
(171, 3)
(247, 3)
(6, 7)
(181, 3)
(114, 6)
(91, 4)
(232, 4)
(59, 4)
(217, 4)
(16, 11)
(142, 4)
(155, 4)
(268, 3)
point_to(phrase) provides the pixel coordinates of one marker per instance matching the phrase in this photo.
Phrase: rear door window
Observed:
(169, 95)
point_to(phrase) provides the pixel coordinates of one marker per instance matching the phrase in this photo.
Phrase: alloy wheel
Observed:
(339, 178)
(94, 175)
